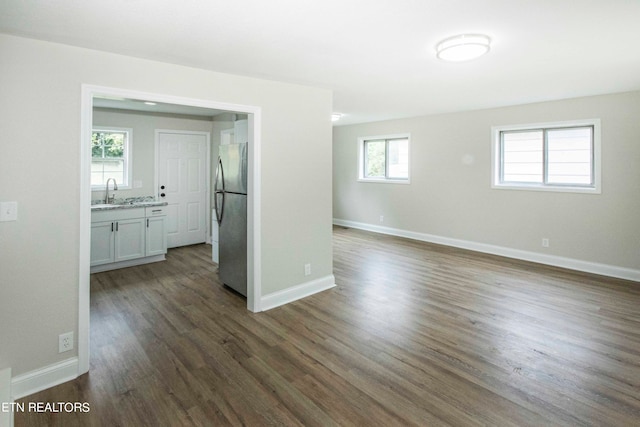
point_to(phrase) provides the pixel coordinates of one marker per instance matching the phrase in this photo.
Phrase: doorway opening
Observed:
(173, 105)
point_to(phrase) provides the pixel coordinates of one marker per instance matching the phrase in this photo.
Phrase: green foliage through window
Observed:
(109, 156)
(385, 158)
(107, 145)
(375, 159)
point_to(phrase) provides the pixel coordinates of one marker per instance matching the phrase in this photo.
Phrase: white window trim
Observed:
(361, 177)
(495, 158)
(128, 161)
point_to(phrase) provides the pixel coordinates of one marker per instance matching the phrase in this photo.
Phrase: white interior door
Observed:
(182, 183)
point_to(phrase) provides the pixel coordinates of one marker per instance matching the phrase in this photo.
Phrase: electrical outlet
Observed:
(545, 242)
(381, 218)
(65, 342)
(307, 269)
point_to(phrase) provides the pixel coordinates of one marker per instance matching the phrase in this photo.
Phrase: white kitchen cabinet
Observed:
(156, 233)
(125, 237)
(156, 243)
(226, 136)
(129, 239)
(241, 131)
(115, 241)
(102, 243)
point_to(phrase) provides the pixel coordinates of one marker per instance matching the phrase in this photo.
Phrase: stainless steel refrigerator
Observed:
(230, 204)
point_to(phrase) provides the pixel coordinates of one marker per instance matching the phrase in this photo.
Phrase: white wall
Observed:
(143, 142)
(454, 200)
(40, 108)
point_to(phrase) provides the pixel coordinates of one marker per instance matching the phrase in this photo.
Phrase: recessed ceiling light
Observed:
(336, 116)
(463, 47)
(150, 103)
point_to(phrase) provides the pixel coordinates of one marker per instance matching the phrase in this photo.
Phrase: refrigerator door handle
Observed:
(219, 175)
(218, 207)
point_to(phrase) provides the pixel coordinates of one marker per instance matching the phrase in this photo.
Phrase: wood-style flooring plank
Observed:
(413, 334)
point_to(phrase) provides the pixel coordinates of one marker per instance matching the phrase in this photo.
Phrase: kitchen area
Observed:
(165, 176)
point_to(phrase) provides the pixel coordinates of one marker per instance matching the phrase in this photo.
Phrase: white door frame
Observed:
(254, 266)
(156, 182)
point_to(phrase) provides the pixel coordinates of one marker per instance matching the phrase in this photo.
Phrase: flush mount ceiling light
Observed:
(336, 116)
(463, 47)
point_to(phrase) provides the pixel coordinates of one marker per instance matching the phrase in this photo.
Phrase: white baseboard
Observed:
(128, 263)
(6, 417)
(288, 295)
(556, 261)
(44, 378)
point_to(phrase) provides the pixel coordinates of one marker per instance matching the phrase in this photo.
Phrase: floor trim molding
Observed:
(556, 261)
(44, 378)
(294, 293)
(6, 417)
(128, 263)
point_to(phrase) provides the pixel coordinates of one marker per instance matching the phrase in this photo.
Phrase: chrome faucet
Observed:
(106, 194)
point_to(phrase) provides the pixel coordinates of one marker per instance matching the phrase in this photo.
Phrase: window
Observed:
(550, 157)
(110, 156)
(384, 159)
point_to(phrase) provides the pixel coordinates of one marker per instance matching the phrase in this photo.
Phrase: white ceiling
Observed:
(376, 55)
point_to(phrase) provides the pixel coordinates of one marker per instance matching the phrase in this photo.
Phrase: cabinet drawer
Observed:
(117, 214)
(155, 211)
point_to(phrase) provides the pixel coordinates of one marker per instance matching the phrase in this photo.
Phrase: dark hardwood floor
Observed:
(414, 334)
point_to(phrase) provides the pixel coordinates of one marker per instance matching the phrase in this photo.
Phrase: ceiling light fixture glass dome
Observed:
(463, 47)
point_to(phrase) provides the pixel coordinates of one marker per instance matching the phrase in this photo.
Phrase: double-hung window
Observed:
(384, 158)
(110, 156)
(561, 156)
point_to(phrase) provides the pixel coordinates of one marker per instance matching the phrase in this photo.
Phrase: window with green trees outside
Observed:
(110, 156)
(384, 158)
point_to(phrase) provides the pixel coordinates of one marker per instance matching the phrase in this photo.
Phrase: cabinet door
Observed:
(102, 234)
(129, 239)
(241, 131)
(156, 236)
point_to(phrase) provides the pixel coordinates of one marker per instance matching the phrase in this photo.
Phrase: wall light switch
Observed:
(8, 211)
